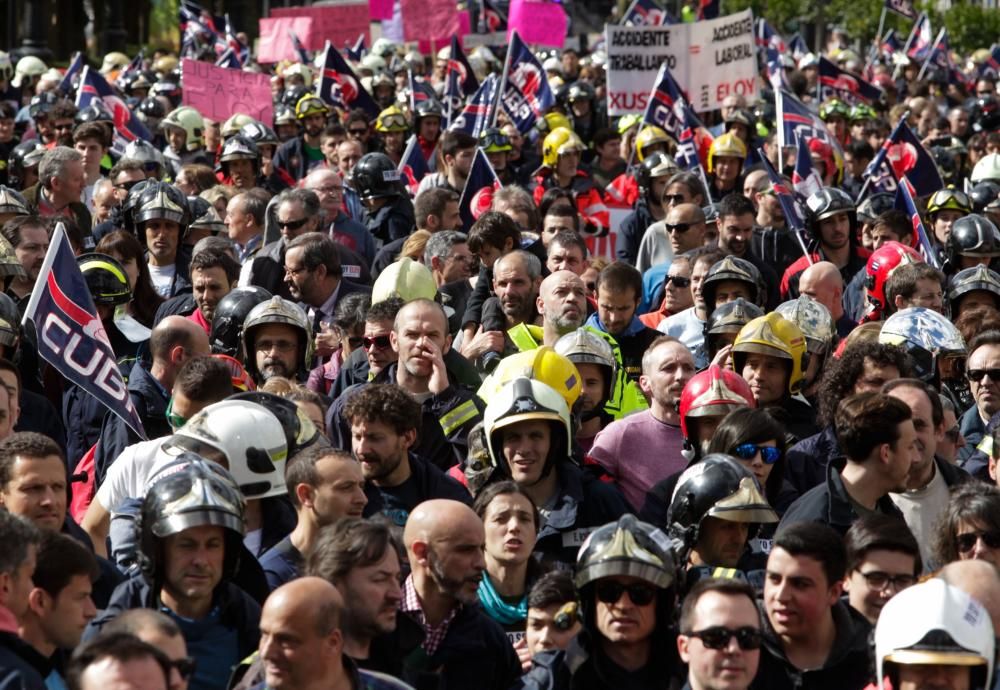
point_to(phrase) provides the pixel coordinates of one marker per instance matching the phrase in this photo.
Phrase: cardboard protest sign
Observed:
(429, 19)
(275, 42)
(539, 22)
(339, 24)
(710, 60)
(218, 93)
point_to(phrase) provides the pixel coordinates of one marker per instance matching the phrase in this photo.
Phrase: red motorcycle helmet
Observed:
(711, 393)
(880, 266)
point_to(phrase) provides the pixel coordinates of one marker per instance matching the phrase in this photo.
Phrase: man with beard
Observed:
(877, 435)
(361, 558)
(619, 290)
(736, 224)
(517, 277)
(29, 235)
(621, 449)
(213, 276)
(301, 154)
(457, 152)
(464, 647)
(448, 411)
(276, 337)
(384, 421)
(59, 191)
(325, 485)
(562, 302)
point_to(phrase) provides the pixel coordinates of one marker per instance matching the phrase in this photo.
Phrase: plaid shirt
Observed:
(411, 604)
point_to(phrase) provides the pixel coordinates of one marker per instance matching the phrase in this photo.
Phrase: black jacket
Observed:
(267, 269)
(847, 667)
(830, 503)
(973, 429)
(448, 417)
(475, 653)
(21, 666)
(237, 610)
(777, 247)
(291, 157)
(429, 481)
(631, 231)
(150, 400)
(393, 221)
(806, 461)
(798, 418)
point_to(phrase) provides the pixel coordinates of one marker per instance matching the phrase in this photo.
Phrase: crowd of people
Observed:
(394, 443)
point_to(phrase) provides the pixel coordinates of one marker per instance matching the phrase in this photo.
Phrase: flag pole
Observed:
(495, 107)
(909, 42)
(930, 55)
(881, 26)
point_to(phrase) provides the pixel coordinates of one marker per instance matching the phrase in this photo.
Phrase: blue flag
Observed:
(805, 179)
(775, 70)
(66, 85)
(709, 9)
(646, 13)
(229, 60)
(789, 204)
(340, 87)
(526, 94)
(797, 120)
(902, 155)
(93, 86)
(357, 51)
(665, 107)
(412, 164)
(901, 7)
(798, 47)
(199, 29)
(240, 50)
(459, 81)
(835, 82)
(768, 37)
(300, 49)
(921, 38)
(904, 202)
(478, 191)
(133, 67)
(71, 336)
(473, 118)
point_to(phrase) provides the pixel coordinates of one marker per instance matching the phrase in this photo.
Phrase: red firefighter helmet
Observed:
(881, 264)
(713, 392)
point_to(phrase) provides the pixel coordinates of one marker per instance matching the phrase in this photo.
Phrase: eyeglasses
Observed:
(748, 451)
(292, 224)
(185, 667)
(977, 375)
(674, 198)
(355, 342)
(876, 579)
(610, 592)
(679, 227)
(126, 186)
(966, 542)
(174, 420)
(747, 637)
(380, 342)
(295, 271)
(279, 345)
(357, 131)
(953, 433)
(678, 281)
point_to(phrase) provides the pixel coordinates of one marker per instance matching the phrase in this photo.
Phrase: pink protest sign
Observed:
(339, 24)
(380, 9)
(541, 22)
(427, 19)
(464, 28)
(275, 44)
(217, 92)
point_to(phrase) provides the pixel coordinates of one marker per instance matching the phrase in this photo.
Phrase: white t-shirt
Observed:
(129, 473)
(163, 278)
(686, 327)
(921, 510)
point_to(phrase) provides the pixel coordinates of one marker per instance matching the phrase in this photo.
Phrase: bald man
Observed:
(174, 340)
(822, 282)
(301, 644)
(329, 187)
(562, 302)
(444, 541)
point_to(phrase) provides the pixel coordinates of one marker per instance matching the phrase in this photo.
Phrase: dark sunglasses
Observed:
(292, 224)
(979, 374)
(355, 342)
(876, 579)
(748, 638)
(184, 666)
(679, 227)
(953, 433)
(748, 451)
(966, 542)
(610, 592)
(126, 186)
(380, 342)
(674, 198)
(678, 281)
(358, 132)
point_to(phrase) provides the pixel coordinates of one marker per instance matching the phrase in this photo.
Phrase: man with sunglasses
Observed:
(720, 635)
(812, 638)
(625, 574)
(983, 372)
